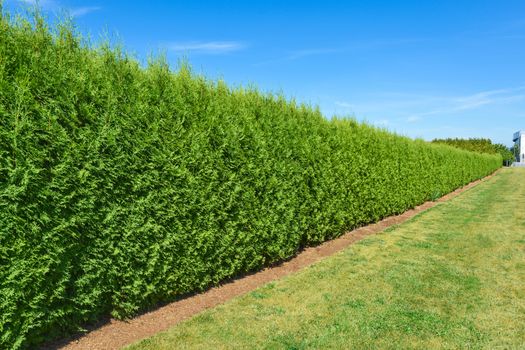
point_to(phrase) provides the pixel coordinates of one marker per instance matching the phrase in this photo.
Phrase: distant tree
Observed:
(507, 154)
(516, 152)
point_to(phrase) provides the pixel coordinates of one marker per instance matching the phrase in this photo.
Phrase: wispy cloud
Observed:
(483, 98)
(408, 108)
(341, 49)
(351, 47)
(56, 6)
(382, 122)
(42, 3)
(343, 104)
(81, 11)
(294, 55)
(413, 118)
(209, 47)
(490, 97)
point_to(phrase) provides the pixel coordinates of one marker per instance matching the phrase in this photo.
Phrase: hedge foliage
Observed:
(123, 186)
(482, 146)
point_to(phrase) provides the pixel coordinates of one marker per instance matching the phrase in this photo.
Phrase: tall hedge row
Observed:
(123, 186)
(482, 146)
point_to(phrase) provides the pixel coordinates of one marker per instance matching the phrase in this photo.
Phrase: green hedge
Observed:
(481, 146)
(123, 186)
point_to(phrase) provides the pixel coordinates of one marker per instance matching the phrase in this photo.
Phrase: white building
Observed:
(519, 146)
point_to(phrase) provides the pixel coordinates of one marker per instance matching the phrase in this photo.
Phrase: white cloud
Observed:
(410, 110)
(382, 122)
(210, 47)
(343, 104)
(489, 97)
(81, 11)
(42, 3)
(312, 52)
(420, 106)
(56, 6)
(477, 100)
(348, 47)
(413, 118)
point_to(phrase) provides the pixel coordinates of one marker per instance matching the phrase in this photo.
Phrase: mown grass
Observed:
(452, 277)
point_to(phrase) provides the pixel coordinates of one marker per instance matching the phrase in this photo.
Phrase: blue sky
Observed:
(419, 68)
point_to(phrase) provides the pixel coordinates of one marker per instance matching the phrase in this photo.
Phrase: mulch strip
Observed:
(114, 334)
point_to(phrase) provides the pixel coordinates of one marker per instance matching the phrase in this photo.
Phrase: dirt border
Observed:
(112, 334)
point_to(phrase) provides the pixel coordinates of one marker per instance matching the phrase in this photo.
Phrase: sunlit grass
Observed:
(452, 277)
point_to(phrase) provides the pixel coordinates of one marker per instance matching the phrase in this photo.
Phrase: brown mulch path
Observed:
(114, 334)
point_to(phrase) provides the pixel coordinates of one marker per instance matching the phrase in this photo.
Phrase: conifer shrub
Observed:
(123, 186)
(482, 146)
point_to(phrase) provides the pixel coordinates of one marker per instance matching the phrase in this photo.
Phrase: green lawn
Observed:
(452, 277)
